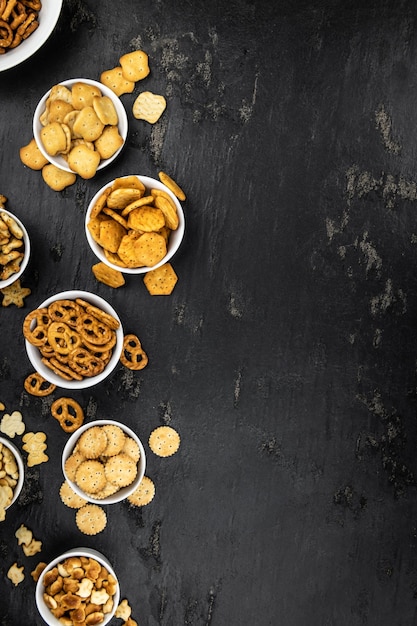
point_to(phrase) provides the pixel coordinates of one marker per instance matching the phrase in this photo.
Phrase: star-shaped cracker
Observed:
(15, 294)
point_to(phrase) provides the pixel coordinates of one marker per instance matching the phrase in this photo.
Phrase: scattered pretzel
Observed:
(36, 385)
(133, 356)
(69, 414)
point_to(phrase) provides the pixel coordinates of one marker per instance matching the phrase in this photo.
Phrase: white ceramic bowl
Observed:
(88, 553)
(122, 493)
(35, 356)
(175, 239)
(48, 17)
(58, 160)
(14, 450)
(25, 261)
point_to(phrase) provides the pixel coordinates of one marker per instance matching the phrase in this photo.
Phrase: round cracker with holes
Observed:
(164, 441)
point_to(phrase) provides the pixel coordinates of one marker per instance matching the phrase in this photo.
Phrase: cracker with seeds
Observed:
(164, 441)
(91, 519)
(144, 493)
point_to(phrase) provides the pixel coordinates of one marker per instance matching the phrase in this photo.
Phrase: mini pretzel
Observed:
(92, 329)
(133, 356)
(69, 414)
(64, 311)
(83, 362)
(38, 335)
(36, 385)
(62, 338)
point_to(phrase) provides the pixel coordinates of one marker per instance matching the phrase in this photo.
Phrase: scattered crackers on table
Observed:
(164, 441)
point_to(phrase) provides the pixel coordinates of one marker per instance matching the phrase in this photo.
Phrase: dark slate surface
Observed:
(286, 356)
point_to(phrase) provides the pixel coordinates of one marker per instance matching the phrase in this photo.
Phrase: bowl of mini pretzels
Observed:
(25, 27)
(74, 339)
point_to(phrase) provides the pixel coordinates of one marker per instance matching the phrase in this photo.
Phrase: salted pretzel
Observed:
(36, 385)
(133, 356)
(18, 20)
(69, 414)
(62, 338)
(82, 361)
(65, 311)
(37, 333)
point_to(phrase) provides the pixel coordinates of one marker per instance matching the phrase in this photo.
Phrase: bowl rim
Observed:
(44, 611)
(24, 263)
(177, 235)
(123, 123)
(124, 491)
(34, 355)
(32, 44)
(19, 460)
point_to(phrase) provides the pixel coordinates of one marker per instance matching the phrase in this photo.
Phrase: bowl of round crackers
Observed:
(135, 224)
(14, 247)
(104, 462)
(80, 126)
(78, 586)
(13, 470)
(74, 339)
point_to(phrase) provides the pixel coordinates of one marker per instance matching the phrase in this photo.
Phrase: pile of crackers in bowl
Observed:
(12, 472)
(14, 246)
(135, 224)
(78, 587)
(104, 462)
(79, 127)
(74, 339)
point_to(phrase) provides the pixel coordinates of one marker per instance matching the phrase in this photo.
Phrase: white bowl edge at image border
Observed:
(53, 378)
(70, 444)
(149, 182)
(123, 123)
(28, 47)
(23, 265)
(16, 453)
(82, 551)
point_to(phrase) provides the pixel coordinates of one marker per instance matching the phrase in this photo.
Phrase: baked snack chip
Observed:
(144, 494)
(15, 574)
(149, 107)
(108, 275)
(135, 65)
(164, 441)
(15, 294)
(161, 281)
(91, 519)
(12, 424)
(115, 80)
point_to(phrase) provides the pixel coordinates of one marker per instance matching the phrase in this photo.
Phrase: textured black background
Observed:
(286, 355)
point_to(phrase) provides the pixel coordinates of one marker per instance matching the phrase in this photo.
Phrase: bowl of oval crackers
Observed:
(135, 224)
(80, 126)
(12, 470)
(78, 587)
(14, 247)
(104, 462)
(74, 339)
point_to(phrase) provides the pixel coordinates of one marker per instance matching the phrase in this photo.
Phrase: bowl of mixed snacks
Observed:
(14, 246)
(80, 126)
(25, 26)
(79, 586)
(12, 469)
(74, 339)
(104, 462)
(135, 224)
